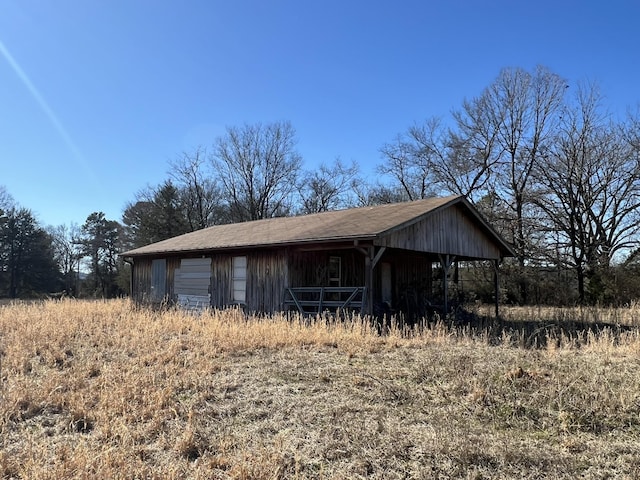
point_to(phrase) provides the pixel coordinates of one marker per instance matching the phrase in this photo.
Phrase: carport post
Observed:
(496, 285)
(368, 279)
(446, 262)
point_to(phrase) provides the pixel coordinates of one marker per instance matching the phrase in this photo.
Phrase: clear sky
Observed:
(96, 96)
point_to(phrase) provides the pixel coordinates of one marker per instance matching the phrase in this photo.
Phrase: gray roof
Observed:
(340, 225)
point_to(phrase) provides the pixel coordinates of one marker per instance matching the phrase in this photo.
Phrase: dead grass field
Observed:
(103, 390)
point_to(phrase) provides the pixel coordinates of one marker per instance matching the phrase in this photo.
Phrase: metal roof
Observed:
(350, 224)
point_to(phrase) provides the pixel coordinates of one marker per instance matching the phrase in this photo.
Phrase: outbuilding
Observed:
(369, 259)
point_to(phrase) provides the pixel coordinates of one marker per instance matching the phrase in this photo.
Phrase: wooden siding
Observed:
(448, 231)
(141, 280)
(411, 273)
(173, 263)
(271, 271)
(221, 269)
(267, 279)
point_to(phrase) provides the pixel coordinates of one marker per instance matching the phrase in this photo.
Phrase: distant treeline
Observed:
(551, 170)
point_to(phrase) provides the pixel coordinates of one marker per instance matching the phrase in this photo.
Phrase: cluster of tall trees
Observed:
(26, 253)
(545, 162)
(36, 261)
(251, 172)
(552, 170)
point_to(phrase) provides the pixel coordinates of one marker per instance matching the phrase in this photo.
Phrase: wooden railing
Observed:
(319, 299)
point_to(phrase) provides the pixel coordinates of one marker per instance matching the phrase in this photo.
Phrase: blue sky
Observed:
(96, 96)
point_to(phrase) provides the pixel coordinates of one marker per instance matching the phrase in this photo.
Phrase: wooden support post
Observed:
(371, 259)
(447, 265)
(377, 257)
(134, 293)
(368, 279)
(496, 285)
(445, 262)
(430, 279)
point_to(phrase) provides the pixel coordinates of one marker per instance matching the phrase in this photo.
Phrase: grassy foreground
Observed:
(103, 390)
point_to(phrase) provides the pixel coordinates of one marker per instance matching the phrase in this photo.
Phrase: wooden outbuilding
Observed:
(372, 259)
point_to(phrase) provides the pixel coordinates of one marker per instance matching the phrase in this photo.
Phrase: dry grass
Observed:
(102, 390)
(627, 316)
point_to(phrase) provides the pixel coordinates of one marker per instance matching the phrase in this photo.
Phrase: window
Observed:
(335, 270)
(239, 279)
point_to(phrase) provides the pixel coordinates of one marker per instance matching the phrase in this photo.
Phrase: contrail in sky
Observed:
(45, 107)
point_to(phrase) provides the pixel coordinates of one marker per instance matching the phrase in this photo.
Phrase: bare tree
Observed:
(328, 187)
(591, 194)
(258, 167)
(492, 146)
(408, 164)
(470, 150)
(377, 194)
(500, 138)
(6, 200)
(529, 107)
(200, 193)
(67, 253)
(430, 159)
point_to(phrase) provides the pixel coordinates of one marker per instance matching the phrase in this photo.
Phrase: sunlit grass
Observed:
(628, 315)
(105, 390)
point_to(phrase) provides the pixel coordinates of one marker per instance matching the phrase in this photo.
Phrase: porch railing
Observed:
(318, 299)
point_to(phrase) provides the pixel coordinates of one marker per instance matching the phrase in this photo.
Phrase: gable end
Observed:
(445, 231)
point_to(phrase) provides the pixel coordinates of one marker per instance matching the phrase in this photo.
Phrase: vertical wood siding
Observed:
(266, 280)
(448, 231)
(221, 269)
(141, 280)
(173, 263)
(267, 277)
(270, 272)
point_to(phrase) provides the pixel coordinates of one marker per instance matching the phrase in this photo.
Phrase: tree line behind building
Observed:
(548, 166)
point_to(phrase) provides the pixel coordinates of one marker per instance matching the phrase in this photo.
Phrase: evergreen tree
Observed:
(100, 240)
(158, 214)
(27, 265)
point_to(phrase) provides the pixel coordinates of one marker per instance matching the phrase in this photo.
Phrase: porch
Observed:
(376, 281)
